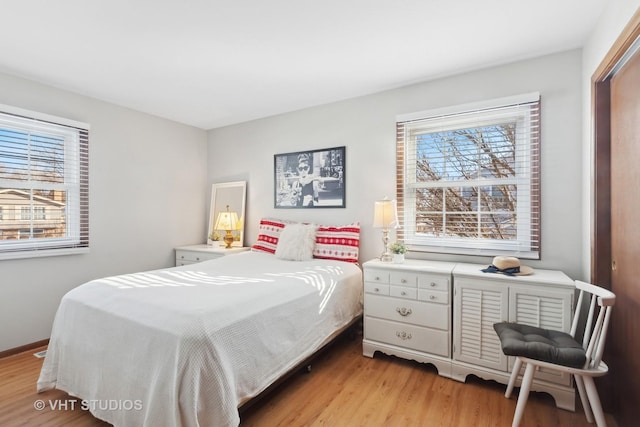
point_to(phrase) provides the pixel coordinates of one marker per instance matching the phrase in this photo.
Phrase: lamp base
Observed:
(228, 239)
(386, 255)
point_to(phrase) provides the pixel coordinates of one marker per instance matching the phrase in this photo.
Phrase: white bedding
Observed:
(186, 346)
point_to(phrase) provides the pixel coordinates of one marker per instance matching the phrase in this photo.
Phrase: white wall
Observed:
(613, 20)
(366, 126)
(148, 193)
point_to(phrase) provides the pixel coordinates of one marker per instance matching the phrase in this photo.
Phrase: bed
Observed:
(187, 346)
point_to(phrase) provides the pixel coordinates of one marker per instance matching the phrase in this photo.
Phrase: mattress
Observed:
(186, 346)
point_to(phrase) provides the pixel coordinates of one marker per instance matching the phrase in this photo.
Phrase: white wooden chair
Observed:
(542, 348)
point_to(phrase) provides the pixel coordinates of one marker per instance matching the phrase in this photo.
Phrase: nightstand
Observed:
(198, 253)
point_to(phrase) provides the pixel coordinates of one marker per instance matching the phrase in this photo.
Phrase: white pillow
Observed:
(296, 242)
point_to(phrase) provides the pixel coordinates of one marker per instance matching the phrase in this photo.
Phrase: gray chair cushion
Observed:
(540, 344)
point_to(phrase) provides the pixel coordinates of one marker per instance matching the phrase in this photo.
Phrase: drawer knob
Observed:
(403, 293)
(403, 335)
(403, 281)
(404, 311)
(377, 277)
(376, 289)
(432, 297)
(181, 256)
(197, 258)
(433, 284)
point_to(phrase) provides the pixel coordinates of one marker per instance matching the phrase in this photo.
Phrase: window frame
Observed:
(75, 185)
(526, 177)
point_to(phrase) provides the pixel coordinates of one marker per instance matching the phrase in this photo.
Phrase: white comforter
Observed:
(186, 346)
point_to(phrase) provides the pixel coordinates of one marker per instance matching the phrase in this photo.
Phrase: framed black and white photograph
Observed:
(310, 179)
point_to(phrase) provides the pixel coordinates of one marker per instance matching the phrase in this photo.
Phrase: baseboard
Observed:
(23, 348)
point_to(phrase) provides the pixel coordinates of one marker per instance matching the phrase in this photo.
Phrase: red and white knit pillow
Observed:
(338, 243)
(268, 234)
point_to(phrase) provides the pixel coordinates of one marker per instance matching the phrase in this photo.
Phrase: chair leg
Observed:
(594, 401)
(525, 387)
(584, 398)
(514, 376)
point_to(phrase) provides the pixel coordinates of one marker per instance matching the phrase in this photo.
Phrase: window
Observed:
(25, 213)
(44, 184)
(468, 178)
(39, 213)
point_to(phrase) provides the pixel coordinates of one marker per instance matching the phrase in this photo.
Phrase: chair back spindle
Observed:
(588, 325)
(576, 316)
(595, 333)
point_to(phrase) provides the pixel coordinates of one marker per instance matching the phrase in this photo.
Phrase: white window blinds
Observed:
(44, 184)
(468, 178)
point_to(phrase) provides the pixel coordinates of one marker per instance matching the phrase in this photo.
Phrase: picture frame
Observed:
(310, 179)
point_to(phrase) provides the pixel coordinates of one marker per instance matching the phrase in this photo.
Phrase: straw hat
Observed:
(509, 266)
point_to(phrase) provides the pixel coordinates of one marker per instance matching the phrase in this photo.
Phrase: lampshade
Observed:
(385, 214)
(227, 221)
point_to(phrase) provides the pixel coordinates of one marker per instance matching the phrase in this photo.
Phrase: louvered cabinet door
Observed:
(541, 307)
(546, 308)
(478, 305)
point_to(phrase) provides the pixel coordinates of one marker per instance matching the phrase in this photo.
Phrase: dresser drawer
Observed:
(433, 296)
(376, 276)
(434, 282)
(407, 336)
(403, 292)
(403, 278)
(189, 257)
(408, 311)
(376, 288)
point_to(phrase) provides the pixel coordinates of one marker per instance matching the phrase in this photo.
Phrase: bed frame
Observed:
(351, 331)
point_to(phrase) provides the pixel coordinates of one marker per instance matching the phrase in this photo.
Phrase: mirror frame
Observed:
(219, 201)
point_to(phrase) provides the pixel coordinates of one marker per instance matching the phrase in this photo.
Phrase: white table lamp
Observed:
(385, 216)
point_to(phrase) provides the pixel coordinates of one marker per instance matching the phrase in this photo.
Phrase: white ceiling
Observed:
(210, 63)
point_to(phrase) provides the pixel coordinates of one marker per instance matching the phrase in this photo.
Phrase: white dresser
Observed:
(545, 299)
(197, 253)
(407, 311)
(443, 313)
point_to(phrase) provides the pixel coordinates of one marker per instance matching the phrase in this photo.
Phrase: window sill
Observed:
(42, 253)
(472, 251)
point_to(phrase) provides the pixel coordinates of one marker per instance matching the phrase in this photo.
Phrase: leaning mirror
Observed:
(226, 215)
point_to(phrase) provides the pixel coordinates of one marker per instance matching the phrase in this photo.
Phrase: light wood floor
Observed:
(343, 388)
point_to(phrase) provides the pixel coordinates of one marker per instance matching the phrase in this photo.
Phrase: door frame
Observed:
(601, 251)
(601, 136)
